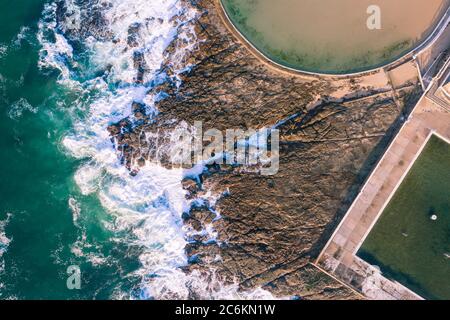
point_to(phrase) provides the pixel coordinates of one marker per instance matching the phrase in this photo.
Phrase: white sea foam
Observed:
(21, 36)
(4, 240)
(18, 108)
(83, 248)
(3, 50)
(75, 208)
(53, 54)
(148, 206)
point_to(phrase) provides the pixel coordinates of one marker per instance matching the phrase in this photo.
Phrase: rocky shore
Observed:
(271, 228)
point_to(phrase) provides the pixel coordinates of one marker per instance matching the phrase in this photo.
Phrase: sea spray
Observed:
(96, 58)
(4, 240)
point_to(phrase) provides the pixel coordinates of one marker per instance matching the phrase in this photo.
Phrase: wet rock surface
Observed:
(83, 20)
(268, 228)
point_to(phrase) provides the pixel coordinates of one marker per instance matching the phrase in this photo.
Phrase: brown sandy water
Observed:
(332, 36)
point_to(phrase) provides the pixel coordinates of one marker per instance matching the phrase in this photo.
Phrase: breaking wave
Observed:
(111, 55)
(4, 241)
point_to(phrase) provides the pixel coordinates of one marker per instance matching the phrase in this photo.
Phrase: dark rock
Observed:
(141, 162)
(133, 35)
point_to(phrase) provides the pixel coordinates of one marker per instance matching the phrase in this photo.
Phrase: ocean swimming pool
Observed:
(332, 36)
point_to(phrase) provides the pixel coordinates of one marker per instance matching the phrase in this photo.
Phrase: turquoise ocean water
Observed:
(37, 190)
(65, 197)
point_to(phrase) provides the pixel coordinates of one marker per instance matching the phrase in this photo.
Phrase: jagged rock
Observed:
(133, 35)
(139, 65)
(141, 162)
(191, 187)
(113, 130)
(93, 21)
